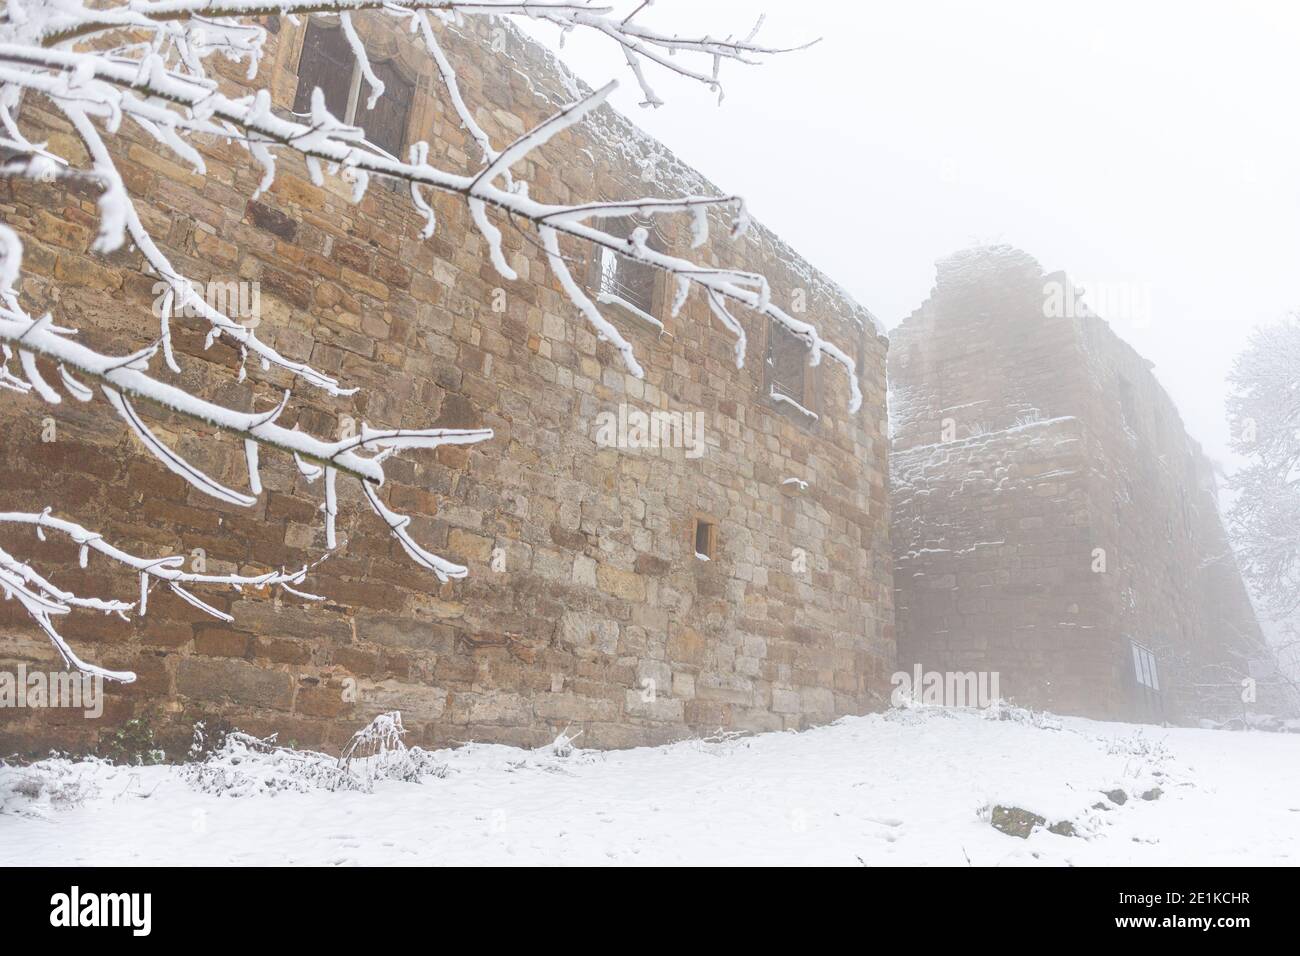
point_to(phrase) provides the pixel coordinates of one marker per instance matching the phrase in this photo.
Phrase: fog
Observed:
(1148, 148)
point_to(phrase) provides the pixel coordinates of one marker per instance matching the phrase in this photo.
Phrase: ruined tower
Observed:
(1053, 521)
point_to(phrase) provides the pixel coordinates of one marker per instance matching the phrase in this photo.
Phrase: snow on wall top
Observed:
(617, 134)
(1005, 266)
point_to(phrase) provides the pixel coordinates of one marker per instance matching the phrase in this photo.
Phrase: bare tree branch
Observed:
(144, 62)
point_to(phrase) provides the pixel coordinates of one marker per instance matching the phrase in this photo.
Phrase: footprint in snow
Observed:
(893, 828)
(885, 821)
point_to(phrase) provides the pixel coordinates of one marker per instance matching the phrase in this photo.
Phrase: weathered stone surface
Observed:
(273, 220)
(237, 681)
(1016, 822)
(1048, 507)
(323, 700)
(582, 577)
(626, 585)
(640, 704)
(586, 632)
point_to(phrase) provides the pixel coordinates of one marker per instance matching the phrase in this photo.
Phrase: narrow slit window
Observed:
(705, 539)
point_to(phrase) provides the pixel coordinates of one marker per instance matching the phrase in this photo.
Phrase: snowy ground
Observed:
(908, 787)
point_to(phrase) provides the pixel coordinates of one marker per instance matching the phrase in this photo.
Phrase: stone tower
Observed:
(1053, 522)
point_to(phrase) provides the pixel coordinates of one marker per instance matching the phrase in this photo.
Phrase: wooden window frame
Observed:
(355, 83)
(302, 61)
(392, 65)
(1146, 671)
(808, 398)
(710, 526)
(596, 281)
(1146, 683)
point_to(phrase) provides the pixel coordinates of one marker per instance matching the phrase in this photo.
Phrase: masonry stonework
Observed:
(585, 607)
(1049, 510)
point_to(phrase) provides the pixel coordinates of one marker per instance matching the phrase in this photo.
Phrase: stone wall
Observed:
(597, 598)
(1049, 508)
(997, 527)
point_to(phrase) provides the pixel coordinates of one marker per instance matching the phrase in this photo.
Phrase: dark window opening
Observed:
(385, 125)
(706, 539)
(787, 363)
(327, 62)
(624, 279)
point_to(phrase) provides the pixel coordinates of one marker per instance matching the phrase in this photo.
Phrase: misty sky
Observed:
(1144, 145)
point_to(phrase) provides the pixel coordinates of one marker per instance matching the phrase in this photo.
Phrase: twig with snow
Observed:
(146, 63)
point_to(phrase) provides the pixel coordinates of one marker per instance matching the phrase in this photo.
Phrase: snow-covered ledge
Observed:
(778, 397)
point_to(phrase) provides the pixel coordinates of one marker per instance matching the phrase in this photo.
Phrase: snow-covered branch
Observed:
(120, 378)
(145, 63)
(124, 378)
(42, 599)
(175, 101)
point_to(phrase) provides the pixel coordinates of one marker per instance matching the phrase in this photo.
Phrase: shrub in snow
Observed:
(721, 743)
(132, 744)
(1039, 719)
(909, 712)
(55, 783)
(556, 757)
(562, 745)
(1139, 745)
(381, 736)
(209, 737)
(245, 765)
(1266, 722)
(1147, 762)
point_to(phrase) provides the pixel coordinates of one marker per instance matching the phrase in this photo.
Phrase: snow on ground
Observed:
(906, 787)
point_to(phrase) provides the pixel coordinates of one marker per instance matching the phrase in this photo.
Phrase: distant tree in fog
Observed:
(1264, 412)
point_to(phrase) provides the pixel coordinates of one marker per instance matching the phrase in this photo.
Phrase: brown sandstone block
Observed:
(218, 680)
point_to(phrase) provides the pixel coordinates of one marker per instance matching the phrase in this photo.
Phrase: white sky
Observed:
(1141, 142)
